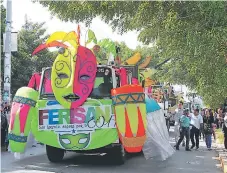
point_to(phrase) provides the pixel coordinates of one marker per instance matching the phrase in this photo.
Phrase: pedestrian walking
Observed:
(184, 128)
(201, 134)
(225, 131)
(220, 117)
(177, 115)
(4, 126)
(213, 125)
(216, 119)
(208, 121)
(196, 123)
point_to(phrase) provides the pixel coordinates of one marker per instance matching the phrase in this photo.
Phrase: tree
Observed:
(104, 47)
(23, 64)
(192, 35)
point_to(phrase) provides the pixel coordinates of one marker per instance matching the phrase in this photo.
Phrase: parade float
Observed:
(83, 106)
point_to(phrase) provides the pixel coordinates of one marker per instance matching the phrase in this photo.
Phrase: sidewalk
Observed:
(221, 153)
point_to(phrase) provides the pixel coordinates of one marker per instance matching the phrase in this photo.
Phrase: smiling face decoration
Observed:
(73, 75)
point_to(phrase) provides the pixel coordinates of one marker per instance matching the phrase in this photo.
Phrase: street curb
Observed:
(222, 156)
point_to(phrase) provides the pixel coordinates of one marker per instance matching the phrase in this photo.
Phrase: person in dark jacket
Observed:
(4, 126)
(208, 121)
(225, 130)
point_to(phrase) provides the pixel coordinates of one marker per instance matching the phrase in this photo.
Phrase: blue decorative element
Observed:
(151, 105)
(53, 113)
(74, 131)
(50, 103)
(128, 98)
(16, 138)
(24, 100)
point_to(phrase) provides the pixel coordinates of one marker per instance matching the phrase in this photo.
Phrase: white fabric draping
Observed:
(157, 145)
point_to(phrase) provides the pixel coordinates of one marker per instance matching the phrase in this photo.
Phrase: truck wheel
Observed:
(118, 154)
(54, 154)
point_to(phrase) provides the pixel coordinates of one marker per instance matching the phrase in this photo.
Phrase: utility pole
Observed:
(7, 59)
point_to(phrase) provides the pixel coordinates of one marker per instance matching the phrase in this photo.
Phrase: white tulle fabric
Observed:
(157, 145)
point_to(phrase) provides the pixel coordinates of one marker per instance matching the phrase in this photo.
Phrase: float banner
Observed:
(77, 120)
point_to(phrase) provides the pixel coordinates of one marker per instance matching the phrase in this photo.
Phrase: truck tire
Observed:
(54, 154)
(118, 154)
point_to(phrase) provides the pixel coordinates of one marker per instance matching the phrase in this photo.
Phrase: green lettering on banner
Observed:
(90, 114)
(64, 114)
(99, 112)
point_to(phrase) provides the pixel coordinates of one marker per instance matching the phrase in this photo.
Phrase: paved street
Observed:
(200, 161)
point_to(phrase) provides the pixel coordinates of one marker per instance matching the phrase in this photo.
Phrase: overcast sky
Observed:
(38, 13)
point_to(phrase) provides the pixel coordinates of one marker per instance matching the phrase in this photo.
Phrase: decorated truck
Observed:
(82, 106)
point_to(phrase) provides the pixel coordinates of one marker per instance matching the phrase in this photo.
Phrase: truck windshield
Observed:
(102, 87)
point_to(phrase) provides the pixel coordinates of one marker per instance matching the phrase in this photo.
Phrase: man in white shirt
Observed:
(196, 123)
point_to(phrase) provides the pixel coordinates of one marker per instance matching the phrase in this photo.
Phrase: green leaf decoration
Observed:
(91, 37)
(108, 46)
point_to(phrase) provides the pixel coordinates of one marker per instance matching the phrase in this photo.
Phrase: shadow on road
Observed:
(41, 163)
(103, 160)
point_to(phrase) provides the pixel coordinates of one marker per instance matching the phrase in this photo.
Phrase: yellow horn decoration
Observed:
(56, 36)
(134, 59)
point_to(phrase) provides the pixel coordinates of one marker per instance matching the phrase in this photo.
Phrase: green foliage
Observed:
(3, 18)
(146, 51)
(23, 64)
(193, 34)
(3, 25)
(91, 37)
(125, 52)
(108, 46)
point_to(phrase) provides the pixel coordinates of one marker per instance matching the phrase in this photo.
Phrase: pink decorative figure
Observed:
(84, 77)
(149, 91)
(123, 76)
(23, 103)
(47, 86)
(23, 114)
(34, 82)
(135, 81)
